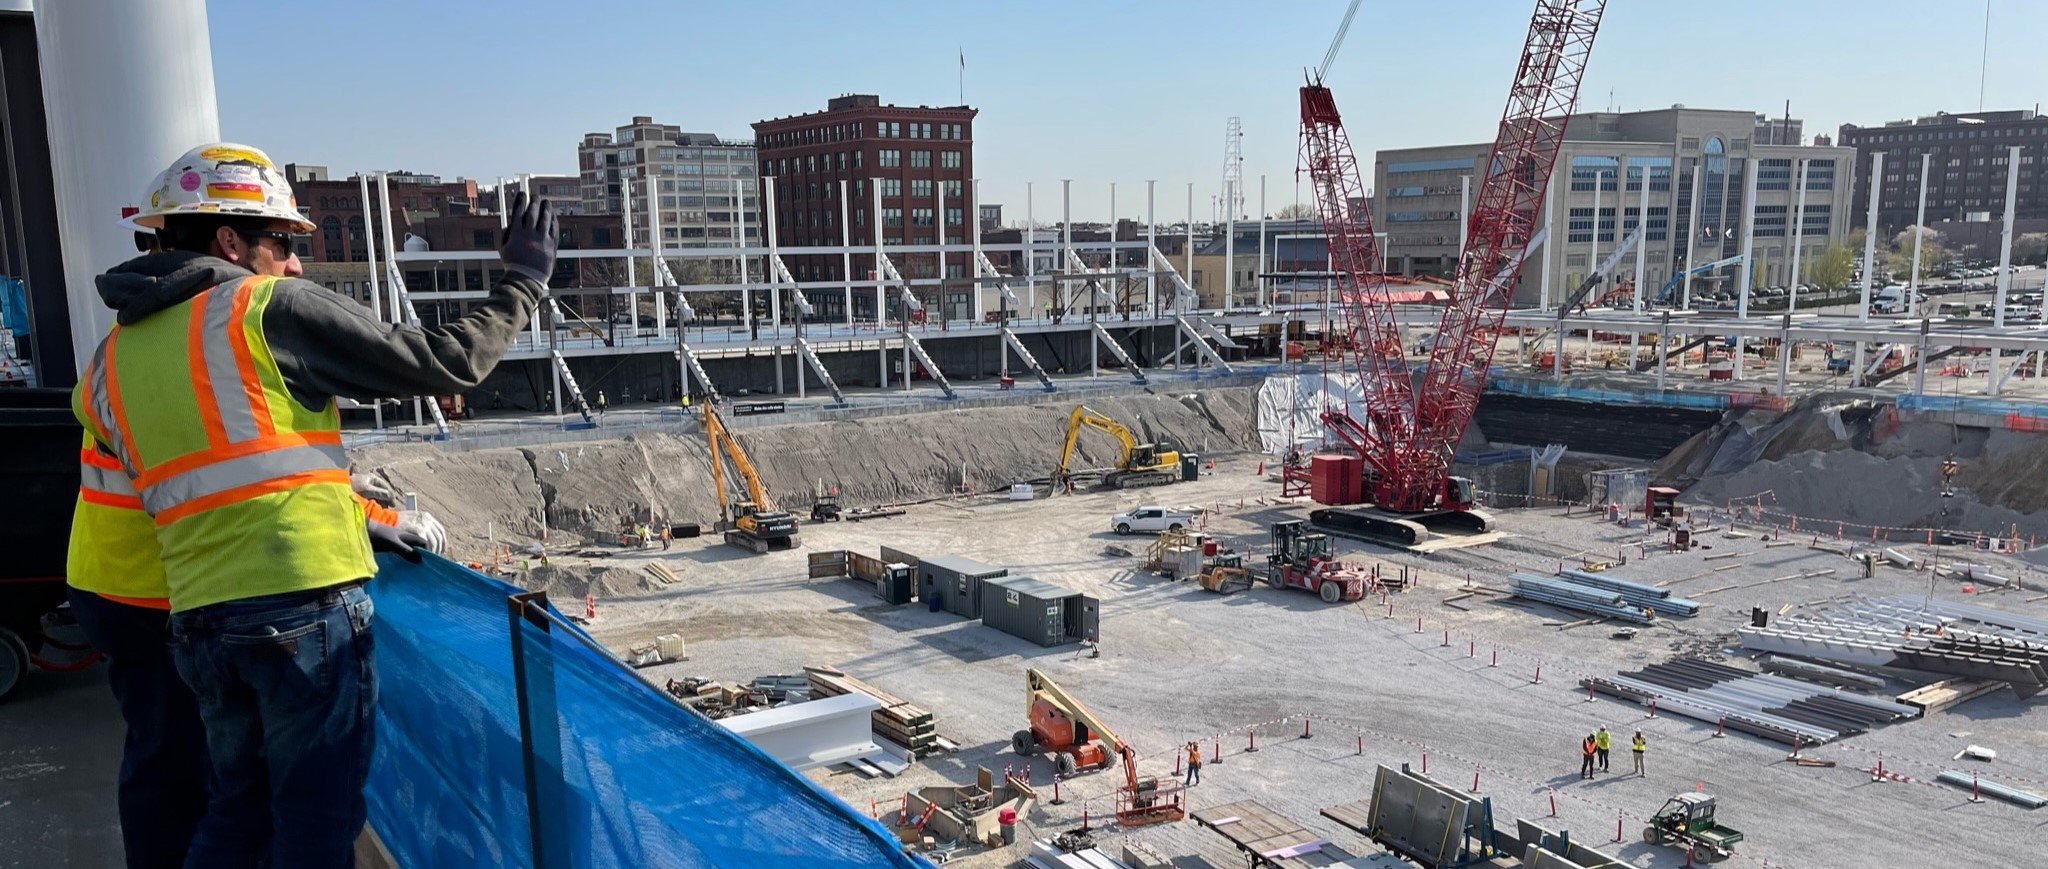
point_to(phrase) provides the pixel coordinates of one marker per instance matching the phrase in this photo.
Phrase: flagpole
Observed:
(963, 77)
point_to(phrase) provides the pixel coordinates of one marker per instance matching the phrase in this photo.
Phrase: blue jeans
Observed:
(163, 785)
(288, 691)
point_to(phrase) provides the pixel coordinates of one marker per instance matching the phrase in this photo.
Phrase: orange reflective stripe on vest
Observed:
(102, 481)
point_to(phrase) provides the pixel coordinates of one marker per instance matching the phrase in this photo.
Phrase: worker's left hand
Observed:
(422, 524)
(375, 488)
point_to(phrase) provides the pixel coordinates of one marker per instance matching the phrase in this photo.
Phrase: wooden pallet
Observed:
(1947, 692)
(898, 720)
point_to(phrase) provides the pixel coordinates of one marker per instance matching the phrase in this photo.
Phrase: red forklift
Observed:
(1301, 559)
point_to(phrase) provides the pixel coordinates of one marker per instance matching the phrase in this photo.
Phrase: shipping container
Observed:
(1036, 610)
(953, 583)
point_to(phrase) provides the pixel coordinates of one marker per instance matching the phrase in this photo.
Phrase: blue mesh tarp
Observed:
(628, 777)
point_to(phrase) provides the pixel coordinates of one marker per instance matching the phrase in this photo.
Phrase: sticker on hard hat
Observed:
(189, 181)
(237, 173)
(224, 153)
(251, 192)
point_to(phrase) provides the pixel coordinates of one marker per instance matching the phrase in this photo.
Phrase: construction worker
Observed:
(215, 392)
(667, 534)
(1602, 740)
(1586, 749)
(119, 598)
(1194, 764)
(1637, 746)
(602, 404)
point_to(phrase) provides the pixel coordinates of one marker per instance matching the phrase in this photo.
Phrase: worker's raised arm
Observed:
(328, 345)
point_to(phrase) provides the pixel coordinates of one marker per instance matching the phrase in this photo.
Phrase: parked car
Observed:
(1150, 518)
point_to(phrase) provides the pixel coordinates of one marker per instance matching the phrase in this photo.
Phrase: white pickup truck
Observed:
(1150, 518)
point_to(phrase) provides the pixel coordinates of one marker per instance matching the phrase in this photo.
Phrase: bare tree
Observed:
(1295, 211)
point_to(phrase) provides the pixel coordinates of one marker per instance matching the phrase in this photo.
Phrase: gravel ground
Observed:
(1178, 663)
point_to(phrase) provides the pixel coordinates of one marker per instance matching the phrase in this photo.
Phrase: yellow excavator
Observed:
(1136, 464)
(751, 523)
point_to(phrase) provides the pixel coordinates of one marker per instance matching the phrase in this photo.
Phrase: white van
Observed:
(1890, 300)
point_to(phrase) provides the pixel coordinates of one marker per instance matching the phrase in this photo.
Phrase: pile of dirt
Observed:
(570, 583)
(1853, 460)
(584, 490)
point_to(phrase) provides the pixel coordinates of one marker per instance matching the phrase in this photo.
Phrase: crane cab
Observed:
(1458, 494)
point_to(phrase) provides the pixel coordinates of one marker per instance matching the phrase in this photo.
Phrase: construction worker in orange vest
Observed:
(1194, 765)
(118, 596)
(215, 391)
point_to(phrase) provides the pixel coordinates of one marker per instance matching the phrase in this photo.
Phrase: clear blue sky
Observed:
(1092, 91)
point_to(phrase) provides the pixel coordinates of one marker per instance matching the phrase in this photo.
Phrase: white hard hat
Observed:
(221, 179)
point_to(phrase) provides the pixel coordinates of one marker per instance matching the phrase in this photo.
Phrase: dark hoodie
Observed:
(329, 345)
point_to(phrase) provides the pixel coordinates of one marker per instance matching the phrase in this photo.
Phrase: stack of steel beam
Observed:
(1635, 593)
(1776, 707)
(1573, 596)
(1938, 637)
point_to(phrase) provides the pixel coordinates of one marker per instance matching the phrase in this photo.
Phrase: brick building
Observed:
(336, 207)
(920, 158)
(1967, 178)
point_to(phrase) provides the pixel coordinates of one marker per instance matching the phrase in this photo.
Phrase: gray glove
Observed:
(528, 248)
(385, 538)
(422, 524)
(375, 488)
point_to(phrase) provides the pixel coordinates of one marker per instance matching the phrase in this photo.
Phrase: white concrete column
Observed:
(1919, 229)
(1742, 281)
(1635, 337)
(1692, 240)
(1262, 248)
(1151, 244)
(973, 217)
(1550, 224)
(882, 299)
(2012, 181)
(846, 249)
(1797, 234)
(127, 88)
(1030, 254)
(376, 285)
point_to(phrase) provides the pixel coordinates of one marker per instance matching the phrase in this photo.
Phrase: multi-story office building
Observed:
(1613, 157)
(707, 184)
(830, 163)
(1966, 179)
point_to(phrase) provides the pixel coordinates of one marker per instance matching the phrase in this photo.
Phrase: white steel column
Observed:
(1229, 244)
(1465, 211)
(654, 274)
(1262, 249)
(1692, 241)
(1593, 252)
(371, 230)
(376, 286)
(1798, 236)
(1743, 282)
(881, 297)
(1869, 259)
(846, 255)
(1550, 225)
(1151, 244)
(973, 217)
(1065, 291)
(740, 241)
(1189, 272)
(939, 217)
(771, 231)
(2012, 186)
(1030, 253)
(632, 279)
(1920, 229)
(1635, 338)
(127, 88)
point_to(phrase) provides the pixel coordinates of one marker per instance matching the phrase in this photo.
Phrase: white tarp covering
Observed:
(1290, 407)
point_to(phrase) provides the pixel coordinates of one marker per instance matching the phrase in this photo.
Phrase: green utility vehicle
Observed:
(1687, 820)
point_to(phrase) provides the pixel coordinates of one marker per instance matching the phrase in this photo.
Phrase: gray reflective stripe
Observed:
(217, 348)
(100, 479)
(102, 408)
(229, 474)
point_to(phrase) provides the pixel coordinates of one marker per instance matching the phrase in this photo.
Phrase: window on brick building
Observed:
(921, 216)
(920, 159)
(921, 187)
(953, 188)
(949, 160)
(890, 159)
(891, 187)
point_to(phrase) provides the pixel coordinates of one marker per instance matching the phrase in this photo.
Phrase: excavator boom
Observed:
(754, 524)
(1157, 466)
(714, 427)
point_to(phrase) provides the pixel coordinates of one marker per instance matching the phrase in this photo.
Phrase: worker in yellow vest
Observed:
(119, 598)
(215, 392)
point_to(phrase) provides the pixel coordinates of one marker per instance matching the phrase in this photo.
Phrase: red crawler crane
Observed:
(1408, 433)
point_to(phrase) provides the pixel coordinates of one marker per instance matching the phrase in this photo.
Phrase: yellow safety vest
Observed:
(1602, 740)
(113, 551)
(248, 489)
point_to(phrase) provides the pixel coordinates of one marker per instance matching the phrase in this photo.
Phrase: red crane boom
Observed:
(1409, 434)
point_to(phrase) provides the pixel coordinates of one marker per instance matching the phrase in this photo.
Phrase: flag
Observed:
(963, 59)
